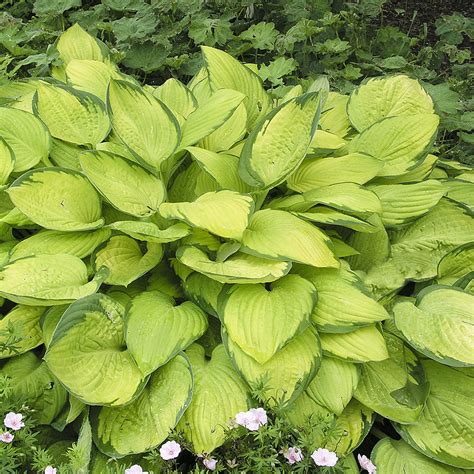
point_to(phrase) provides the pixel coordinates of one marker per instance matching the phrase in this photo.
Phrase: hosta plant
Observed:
(172, 256)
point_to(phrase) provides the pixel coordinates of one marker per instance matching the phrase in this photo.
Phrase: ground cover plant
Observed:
(209, 276)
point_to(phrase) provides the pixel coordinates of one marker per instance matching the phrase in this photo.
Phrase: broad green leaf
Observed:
(27, 137)
(25, 321)
(395, 388)
(403, 203)
(325, 142)
(126, 259)
(149, 232)
(282, 378)
(225, 72)
(278, 144)
(444, 430)
(400, 142)
(362, 345)
(47, 280)
(315, 172)
(126, 185)
(143, 123)
(7, 161)
(57, 199)
(262, 319)
(440, 324)
(218, 395)
(203, 291)
(334, 384)
(79, 244)
(176, 96)
(334, 118)
(49, 320)
(145, 423)
(157, 328)
(35, 386)
(11, 215)
(305, 411)
(65, 155)
(70, 412)
(456, 264)
(280, 235)
(238, 268)
(461, 192)
(391, 96)
(224, 213)
(88, 353)
(73, 116)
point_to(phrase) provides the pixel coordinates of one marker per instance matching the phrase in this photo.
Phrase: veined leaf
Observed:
(7, 161)
(149, 232)
(203, 291)
(456, 264)
(177, 97)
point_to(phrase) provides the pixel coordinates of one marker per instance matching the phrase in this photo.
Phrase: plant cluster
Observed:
(174, 256)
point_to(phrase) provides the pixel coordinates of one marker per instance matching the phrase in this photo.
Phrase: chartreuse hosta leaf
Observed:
(177, 97)
(418, 173)
(261, 319)
(71, 115)
(440, 324)
(395, 388)
(324, 143)
(225, 72)
(218, 395)
(383, 97)
(445, 429)
(47, 280)
(334, 118)
(456, 264)
(26, 320)
(224, 213)
(57, 199)
(157, 328)
(238, 268)
(26, 136)
(7, 161)
(280, 235)
(126, 259)
(126, 185)
(70, 412)
(146, 422)
(282, 378)
(149, 232)
(278, 144)
(392, 457)
(33, 384)
(400, 142)
(49, 321)
(143, 123)
(461, 192)
(315, 172)
(203, 291)
(88, 354)
(326, 215)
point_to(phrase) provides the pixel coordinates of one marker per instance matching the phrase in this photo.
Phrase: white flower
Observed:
(13, 421)
(135, 469)
(210, 463)
(252, 419)
(324, 457)
(6, 437)
(170, 450)
(293, 455)
(50, 470)
(367, 464)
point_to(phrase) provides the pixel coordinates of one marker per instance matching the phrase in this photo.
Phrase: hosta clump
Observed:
(175, 255)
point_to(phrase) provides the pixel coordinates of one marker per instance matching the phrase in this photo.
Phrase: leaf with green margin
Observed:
(288, 373)
(440, 324)
(157, 328)
(65, 155)
(224, 213)
(125, 185)
(395, 388)
(175, 95)
(7, 161)
(461, 192)
(203, 291)
(400, 142)
(262, 319)
(218, 395)
(26, 136)
(391, 96)
(79, 244)
(83, 448)
(280, 235)
(57, 199)
(149, 232)
(88, 354)
(456, 264)
(278, 144)
(146, 422)
(315, 172)
(49, 320)
(35, 386)
(70, 412)
(334, 118)
(162, 278)
(362, 345)
(125, 259)
(143, 123)
(324, 143)
(70, 115)
(25, 320)
(238, 268)
(445, 429)
(48, 280)
(203, 240)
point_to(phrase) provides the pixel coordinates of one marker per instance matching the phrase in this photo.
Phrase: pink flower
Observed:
(252, 419)
(324, 457)
(13, 421)
(6, 437)
(170, 450)
(293, 455)
(210, 463)
(50, 470)
(135, 469)
(367, 464)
